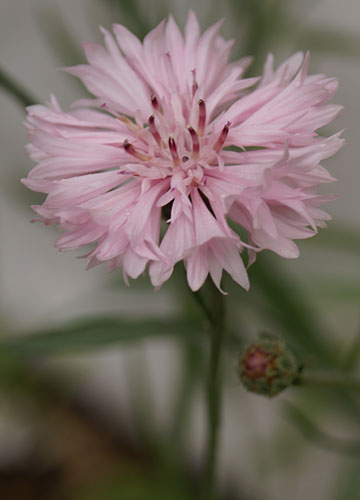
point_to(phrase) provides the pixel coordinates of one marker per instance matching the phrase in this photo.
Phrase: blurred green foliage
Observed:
(16, 90)
(348, 485)
(96, 333)
(316, 435)
(130, 13)
(134, 485)
(57, 35)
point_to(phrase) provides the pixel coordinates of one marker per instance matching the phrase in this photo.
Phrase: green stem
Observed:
(330, 380)
(212, 302)
(14, 89)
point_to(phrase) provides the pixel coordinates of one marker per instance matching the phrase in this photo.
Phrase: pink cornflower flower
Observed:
(176, 148)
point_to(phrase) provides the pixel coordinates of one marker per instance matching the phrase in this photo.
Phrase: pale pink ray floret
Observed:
(173, 146)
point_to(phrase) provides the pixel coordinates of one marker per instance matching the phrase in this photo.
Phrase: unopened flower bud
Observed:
(267, 367)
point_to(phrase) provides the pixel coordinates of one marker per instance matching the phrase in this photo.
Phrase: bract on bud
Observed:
(267, 367)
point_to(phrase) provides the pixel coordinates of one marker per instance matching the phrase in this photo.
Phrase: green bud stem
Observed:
(212, 302)
(331, 380)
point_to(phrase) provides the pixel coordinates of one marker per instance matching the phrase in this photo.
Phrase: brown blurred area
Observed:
(71, 449)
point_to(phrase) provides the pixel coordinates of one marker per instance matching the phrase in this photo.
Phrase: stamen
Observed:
(130, 125)
(129, 148)
(202, 117)
(184, 159)
(173, 151)
(222, 138)
(154, 130)
(195, 142)
(195, 86)
(155, 103)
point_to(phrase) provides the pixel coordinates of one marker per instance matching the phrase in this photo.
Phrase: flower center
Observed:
(164, 146)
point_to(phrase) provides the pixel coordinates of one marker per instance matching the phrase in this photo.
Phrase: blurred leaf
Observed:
(291, 309)
(330, 379)
(338, 238)
(16, 90)
(322, 399)
(51, 23)
(142, 283)
(96, 333)
(265, 24)
(352, 356)
(348, 487)
(128, 13)
(340, 292)
(322, 39)
(141, 402)
(18, 378)
(193, 368)
(134, 484)
(270, 23)
(312, 432)
(347, 402)
(11, 371)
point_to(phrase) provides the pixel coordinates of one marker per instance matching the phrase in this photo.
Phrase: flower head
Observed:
(173, 145)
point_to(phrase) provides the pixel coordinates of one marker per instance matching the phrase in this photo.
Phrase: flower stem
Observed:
(212, 302)
(330, 380)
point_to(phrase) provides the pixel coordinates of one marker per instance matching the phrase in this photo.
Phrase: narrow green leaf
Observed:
(15, 89)
(352, 355)
(264, 24)
(339, 292)
(134, 483)
(291, 309)
(131, 15)
(328, 40)
(338, 238)
(141, 404)
(96, 333)
(193, 369)
(313, 432)
(51, 23)
(348, 486)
